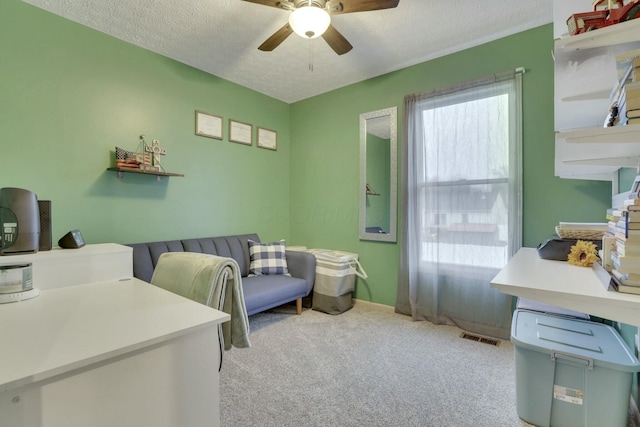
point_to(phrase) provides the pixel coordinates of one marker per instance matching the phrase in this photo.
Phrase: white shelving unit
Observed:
(585, 74)
(624, 32)
(629, 134)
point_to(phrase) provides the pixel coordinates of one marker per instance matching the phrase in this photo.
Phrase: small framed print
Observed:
(240, 132)
(208, 125)
(267, 139)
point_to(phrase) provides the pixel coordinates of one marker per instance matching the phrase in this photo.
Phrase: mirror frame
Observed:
(393, 178)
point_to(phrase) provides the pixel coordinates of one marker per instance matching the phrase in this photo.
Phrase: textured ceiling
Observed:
(221, 37)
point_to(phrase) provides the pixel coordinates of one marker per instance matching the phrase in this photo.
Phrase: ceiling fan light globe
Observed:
(309, 21)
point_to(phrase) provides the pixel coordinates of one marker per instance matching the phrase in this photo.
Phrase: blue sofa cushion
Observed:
(265, 292)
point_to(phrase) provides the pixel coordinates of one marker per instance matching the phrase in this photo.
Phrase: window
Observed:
(465, 179)
(461, 202)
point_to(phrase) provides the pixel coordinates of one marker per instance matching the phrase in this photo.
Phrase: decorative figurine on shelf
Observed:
(157, 152)
(584, 253)
(126, 159)
(150, 156)
(604, 13)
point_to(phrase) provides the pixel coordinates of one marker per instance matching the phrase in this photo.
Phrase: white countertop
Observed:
(58, 253)
(73, 327)
(559, 283)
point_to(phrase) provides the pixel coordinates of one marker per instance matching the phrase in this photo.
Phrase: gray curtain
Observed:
(461, 199)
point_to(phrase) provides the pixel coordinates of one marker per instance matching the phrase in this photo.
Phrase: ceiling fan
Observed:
(311, 19)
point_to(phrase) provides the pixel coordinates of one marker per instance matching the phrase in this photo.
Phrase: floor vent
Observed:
(478, 338)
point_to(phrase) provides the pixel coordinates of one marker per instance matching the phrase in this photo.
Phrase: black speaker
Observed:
(45, 225)
(71, 240)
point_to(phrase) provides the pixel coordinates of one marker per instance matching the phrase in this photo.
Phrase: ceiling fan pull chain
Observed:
(310, 55)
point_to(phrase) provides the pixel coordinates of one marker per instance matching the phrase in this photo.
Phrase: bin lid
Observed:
(545, 333)
(528, 304)
(333, 255)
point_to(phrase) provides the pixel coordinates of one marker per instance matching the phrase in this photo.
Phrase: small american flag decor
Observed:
(130, 160)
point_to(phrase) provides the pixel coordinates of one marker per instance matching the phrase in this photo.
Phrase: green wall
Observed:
(70, 94)
(324, 131)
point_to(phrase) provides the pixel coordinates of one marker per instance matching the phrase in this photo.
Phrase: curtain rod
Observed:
(492, 78)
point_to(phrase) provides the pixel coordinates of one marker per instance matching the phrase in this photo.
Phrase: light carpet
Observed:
(365, 367)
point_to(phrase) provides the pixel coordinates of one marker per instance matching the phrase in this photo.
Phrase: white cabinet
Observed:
(585, 75)
(67, 267)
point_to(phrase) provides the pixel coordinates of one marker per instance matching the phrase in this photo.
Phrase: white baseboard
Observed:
(383, 307)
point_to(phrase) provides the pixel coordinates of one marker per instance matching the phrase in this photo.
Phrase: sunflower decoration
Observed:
(584, 253)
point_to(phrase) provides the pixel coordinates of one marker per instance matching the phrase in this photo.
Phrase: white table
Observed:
(559, 283)
(106, 354)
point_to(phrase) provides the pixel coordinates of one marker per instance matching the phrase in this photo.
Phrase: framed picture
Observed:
(208, 125)
(240, 132)
(267, 138)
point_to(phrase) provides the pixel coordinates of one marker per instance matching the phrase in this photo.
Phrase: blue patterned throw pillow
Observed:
(267, 258)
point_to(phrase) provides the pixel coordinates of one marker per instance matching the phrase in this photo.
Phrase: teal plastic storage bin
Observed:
(571, 372)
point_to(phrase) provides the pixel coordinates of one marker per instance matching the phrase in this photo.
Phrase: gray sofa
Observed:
(260, 292)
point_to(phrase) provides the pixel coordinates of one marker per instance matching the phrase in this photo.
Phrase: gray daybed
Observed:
(260, 292)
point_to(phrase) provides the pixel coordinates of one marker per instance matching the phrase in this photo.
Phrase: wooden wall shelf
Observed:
(159, 175)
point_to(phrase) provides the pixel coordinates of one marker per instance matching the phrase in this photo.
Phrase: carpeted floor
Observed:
(365, 367)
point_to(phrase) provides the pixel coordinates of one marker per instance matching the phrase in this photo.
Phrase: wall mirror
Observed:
(378, 175)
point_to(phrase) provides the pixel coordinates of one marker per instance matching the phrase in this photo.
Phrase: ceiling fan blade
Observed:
(272, 3)
(277, 38)
(336, 41)
(350, 6)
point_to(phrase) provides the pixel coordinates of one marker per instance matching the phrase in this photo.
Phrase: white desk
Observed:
(559, 283)
(107, 354)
